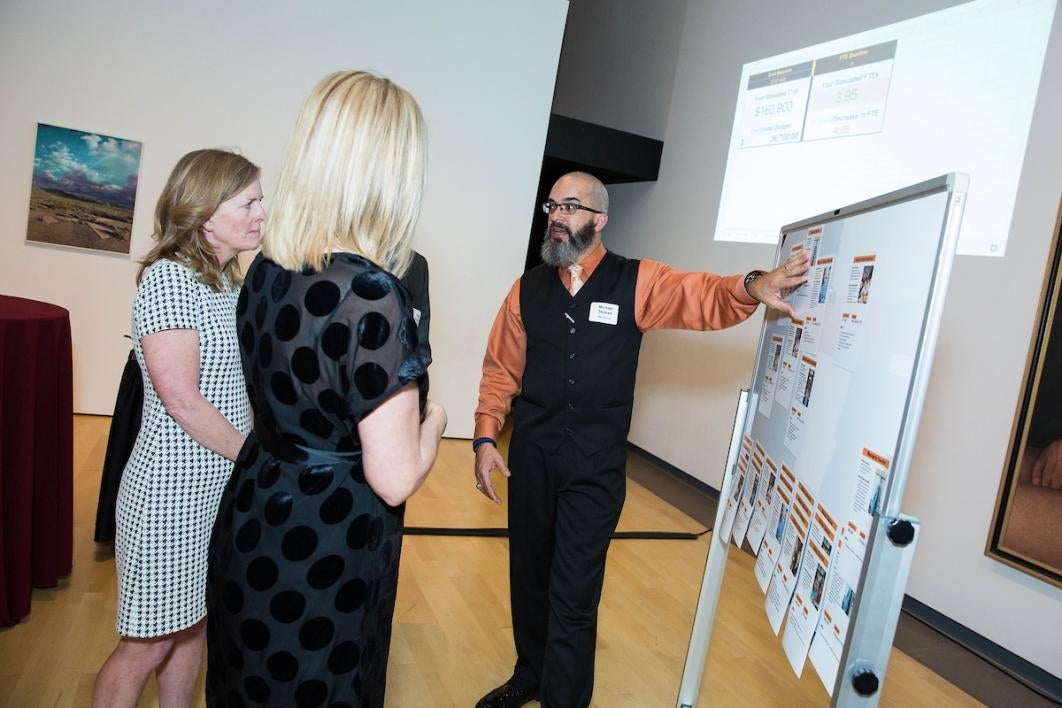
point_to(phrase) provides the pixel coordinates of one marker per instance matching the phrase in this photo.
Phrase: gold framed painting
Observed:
(1026, 528)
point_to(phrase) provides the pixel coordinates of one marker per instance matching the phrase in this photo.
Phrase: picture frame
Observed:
(1026, 530)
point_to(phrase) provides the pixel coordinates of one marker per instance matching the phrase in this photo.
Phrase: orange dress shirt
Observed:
(664, 298)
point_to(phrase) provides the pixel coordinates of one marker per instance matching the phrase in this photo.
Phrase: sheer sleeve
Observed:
(383, 354)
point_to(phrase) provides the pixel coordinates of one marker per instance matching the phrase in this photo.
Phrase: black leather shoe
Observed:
(508, 695)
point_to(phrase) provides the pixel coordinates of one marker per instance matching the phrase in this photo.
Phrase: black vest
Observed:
(579, 377)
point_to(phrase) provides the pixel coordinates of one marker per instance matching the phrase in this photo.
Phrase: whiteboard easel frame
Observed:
(873, 623)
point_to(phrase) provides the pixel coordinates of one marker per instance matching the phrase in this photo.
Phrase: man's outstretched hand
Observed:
(771, 288)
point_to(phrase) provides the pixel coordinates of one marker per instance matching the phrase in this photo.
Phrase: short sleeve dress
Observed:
(304, 556)
(171, 485)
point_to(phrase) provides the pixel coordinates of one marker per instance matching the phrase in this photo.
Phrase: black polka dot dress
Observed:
(171, 485)
(304, 556)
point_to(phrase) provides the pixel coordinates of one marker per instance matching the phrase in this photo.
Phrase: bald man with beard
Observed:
(562, 354)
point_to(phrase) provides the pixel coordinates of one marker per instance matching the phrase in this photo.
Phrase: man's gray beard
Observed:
(562, 254)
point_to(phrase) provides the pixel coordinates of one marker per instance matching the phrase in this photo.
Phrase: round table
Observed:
(36, 451)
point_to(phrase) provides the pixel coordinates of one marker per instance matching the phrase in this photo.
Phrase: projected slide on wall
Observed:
(842, 95)
(842, 121)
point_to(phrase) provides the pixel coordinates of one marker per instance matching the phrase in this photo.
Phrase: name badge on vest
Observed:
(604, 312)
(416, 316)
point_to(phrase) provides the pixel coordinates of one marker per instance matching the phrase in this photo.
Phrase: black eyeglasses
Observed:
(567, 207)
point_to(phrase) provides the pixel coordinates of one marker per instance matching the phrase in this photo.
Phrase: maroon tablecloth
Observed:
(36, 451)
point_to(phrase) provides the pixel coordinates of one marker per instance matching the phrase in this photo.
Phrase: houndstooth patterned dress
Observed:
(171, 485)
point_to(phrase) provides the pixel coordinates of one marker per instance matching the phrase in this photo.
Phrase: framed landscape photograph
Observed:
(84, 189)
(1026, 528)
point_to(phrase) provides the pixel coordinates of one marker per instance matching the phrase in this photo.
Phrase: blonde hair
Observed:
(198, 184)
(353, 177)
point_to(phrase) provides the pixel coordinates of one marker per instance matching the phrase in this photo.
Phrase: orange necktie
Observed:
(576, 271)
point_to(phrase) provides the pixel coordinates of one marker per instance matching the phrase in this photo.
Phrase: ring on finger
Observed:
(479, 486)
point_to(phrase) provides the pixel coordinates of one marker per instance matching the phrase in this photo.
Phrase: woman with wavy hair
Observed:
(304, 556)
(195, 419)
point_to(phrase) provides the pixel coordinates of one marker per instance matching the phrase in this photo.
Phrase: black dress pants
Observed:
(563, 509)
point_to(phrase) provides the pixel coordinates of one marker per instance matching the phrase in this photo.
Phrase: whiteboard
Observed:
(837, 394)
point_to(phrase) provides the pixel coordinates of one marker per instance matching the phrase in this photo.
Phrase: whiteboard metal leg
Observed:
(876, 613)
(713, 570)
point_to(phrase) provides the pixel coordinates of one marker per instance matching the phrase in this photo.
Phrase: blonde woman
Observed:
(195, 418)
(304, 556)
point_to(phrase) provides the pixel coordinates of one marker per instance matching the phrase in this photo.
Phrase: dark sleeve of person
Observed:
(416, 282)
(1046, 425)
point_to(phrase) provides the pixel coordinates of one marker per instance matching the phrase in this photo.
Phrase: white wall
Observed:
(181, 76)
(625, 84)
(688, 383)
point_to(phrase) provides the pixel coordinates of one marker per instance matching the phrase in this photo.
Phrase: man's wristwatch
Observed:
(751, 278)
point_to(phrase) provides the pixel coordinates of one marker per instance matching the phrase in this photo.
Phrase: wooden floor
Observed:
(452, 636)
